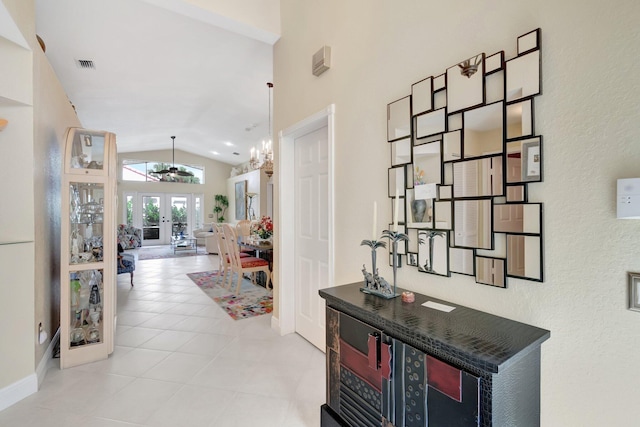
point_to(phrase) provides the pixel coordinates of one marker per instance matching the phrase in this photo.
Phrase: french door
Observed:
(162, 215)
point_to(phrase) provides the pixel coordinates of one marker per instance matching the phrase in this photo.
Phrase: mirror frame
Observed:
(509, 84)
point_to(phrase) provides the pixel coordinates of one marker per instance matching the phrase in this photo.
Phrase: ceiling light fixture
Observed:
(173, 171)
(263, 159)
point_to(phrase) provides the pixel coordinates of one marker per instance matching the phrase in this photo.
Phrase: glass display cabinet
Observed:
(88, 247)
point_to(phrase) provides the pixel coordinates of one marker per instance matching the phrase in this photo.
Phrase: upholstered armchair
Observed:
(129, 237)
(126, 264)
(203, 233)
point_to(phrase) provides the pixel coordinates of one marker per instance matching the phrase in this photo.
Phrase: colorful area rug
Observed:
(253, 300)
(166, 251)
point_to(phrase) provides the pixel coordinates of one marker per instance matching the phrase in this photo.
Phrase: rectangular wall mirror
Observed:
(433, 252)
(472, 224)
(524, 160)
(399, 119)
(401, 152)
(427, 164)
(483, 131)
(491, 271)
(523, 76)
(461, 261)
(516, 193)
(443, 213)
(520, 119)
(452, 146)
(422, 96)
(419, 211)
(524, 257)
(517, 218)
(396, 181)
(478, 178)
(430, 123)
(465, 84)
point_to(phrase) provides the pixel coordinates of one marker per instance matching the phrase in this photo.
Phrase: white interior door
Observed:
(311, 181)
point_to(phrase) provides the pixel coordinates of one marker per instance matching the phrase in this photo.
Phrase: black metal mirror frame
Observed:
(520, 158)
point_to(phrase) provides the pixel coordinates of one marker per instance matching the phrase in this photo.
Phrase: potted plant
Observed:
(221, 205)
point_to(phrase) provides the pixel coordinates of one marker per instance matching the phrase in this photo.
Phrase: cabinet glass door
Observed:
(86, 216)
(86, 296)
(87, 150)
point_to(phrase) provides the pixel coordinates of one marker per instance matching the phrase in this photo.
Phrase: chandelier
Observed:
(263, 159)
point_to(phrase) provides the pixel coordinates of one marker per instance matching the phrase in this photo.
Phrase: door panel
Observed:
(311, 233)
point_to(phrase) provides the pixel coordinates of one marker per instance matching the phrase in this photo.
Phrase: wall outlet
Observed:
(210, 215)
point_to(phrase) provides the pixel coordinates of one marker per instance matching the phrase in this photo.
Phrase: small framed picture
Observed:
(634, 291)
(531, 161)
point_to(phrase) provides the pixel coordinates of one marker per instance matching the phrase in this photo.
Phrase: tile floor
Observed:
(180, 360)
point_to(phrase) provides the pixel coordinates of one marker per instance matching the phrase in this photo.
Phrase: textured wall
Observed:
(588, 116)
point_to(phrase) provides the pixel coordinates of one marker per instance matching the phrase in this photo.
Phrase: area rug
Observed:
(166, 251)
(253, 300)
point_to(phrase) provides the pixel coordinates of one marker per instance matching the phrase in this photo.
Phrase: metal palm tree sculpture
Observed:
(431, 235)
(373, 244)
(395, 237)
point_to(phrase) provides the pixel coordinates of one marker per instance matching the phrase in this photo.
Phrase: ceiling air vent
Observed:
(85, 64)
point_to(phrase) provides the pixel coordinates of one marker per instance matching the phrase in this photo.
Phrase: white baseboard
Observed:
(275, 324)
(43, 366)
(28, 385)
(18, 391)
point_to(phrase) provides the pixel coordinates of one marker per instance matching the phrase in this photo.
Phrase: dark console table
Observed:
(391, 363)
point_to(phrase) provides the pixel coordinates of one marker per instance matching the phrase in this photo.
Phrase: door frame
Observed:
(285, 323)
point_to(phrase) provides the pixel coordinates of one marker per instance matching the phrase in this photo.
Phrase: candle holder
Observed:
(373, 283)
(395, 237)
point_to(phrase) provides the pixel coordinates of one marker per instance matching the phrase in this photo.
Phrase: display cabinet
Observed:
(88, 247)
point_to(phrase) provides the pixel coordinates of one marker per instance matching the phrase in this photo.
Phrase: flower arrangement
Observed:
(264, 228)
(419, 178)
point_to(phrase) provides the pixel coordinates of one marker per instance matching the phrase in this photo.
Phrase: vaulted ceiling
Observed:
(196, 69)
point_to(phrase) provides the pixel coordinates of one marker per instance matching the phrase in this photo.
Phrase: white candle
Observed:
(375, 221)
(395, 213)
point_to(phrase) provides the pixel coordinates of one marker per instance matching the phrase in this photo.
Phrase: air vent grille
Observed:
(86, 64)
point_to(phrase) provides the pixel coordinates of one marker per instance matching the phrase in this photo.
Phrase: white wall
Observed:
(588, 115)
(253, 186)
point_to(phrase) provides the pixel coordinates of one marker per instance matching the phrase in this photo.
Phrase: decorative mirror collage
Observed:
(463, 153)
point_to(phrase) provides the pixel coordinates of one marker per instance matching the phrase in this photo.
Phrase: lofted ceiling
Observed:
(166, 67)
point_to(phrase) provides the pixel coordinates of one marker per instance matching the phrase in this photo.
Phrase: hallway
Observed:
(180, 360)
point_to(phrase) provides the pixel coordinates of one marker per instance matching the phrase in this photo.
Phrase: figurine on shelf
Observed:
(383, 286)
(368, 278)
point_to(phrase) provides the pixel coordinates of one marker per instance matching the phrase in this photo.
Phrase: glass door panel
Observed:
(152, 220)
(179, 215)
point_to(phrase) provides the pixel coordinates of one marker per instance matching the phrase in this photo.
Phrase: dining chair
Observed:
(243, 230)
(223, 254)
(239, 264)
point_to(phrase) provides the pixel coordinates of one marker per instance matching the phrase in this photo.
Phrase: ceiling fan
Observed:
(173, 171)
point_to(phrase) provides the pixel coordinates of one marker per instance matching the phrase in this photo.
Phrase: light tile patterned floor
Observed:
(180, 360)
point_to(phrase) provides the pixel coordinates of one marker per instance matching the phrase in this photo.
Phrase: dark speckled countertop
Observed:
(466, 336)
